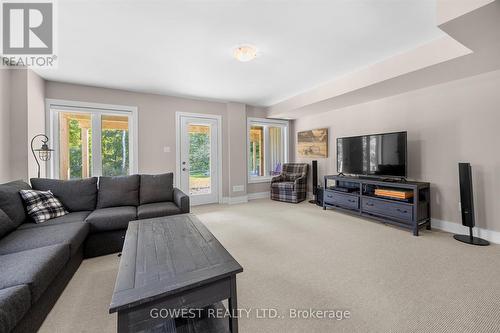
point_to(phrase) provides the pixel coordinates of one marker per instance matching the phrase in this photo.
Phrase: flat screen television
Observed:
(373, 155)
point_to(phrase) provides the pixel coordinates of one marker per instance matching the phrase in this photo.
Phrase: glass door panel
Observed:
(257, 151)
(75, 145)
(276, 150)
(198, 156)
(115, 145)
(199, 159)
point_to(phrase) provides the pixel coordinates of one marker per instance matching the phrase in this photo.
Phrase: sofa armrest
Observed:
(181, 200)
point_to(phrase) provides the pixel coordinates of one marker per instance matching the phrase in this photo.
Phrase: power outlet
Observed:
(238, 188)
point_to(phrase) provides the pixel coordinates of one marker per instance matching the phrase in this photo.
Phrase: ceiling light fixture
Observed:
(245, 53)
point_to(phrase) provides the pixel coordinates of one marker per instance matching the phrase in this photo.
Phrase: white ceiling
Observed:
(184, 48)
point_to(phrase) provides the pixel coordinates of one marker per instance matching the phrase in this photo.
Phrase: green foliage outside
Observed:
(115, 155)
(256, 171)
(75, 149)
(199, 155)
(114, 152)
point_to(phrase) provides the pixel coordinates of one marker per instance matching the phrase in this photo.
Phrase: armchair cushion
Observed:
(290, 177)
(284, 185)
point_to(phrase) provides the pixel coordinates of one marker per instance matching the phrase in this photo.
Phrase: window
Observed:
(91, 140)
(267, 148)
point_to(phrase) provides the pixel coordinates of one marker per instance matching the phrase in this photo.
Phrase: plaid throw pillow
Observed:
(42, 205)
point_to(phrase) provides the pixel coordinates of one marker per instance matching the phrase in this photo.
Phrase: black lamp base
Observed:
(471, 240)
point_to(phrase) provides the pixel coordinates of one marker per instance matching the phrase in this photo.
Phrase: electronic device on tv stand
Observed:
(375, 155)
(343, 189)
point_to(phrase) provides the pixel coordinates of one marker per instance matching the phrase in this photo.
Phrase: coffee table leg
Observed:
(233, 307)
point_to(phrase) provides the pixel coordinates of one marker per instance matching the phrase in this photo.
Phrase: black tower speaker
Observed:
(315, 180)
(467, 205)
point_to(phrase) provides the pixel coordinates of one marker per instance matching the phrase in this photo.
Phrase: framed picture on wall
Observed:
(313, 143)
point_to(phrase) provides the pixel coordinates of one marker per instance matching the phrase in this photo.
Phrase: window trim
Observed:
(53, 106)
(251, 121)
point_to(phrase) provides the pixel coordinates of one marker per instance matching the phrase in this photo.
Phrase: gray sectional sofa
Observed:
(38, 260)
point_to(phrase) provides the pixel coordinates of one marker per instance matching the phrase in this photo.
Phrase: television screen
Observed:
(377, 155)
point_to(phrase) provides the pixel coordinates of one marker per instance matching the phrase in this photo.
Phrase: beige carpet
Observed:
(299, 256)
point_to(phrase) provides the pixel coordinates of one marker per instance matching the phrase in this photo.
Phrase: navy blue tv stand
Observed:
(356, 196)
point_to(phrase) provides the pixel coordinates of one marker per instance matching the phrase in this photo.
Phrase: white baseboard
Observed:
(245, 198)
(259, 195)
(455, 228)
(235, 200)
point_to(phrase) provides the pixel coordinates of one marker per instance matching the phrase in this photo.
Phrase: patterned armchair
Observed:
(291, 184)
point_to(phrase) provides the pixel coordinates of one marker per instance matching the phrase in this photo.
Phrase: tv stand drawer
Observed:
(400, 211)
(340, 199)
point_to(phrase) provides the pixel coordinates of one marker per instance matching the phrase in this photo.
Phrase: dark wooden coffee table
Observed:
(171, 263)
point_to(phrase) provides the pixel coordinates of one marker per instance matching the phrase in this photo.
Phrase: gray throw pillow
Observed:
(118, 191)
(6, 224)
(76, 195)
(11, 202)
(157, 188)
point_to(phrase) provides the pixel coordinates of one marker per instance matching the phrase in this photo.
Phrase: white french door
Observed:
(91, 140)
(198, 158)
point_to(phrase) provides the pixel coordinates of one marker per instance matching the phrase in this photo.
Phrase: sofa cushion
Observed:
(76, 195)
(31, 238)
(6, 224)
(36, 268)
(156, 188)
(68, 218)
(118, 191)
(42, 206)
(114, 218)
(11, 202)
(14, 303)
(157, 209)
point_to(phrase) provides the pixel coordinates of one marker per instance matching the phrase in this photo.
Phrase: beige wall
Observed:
(237, 124)
(19, 124)
(26, 118)
(157, 126)
(5, 82)
(156, 115)
(448, 123)
(36, 119)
